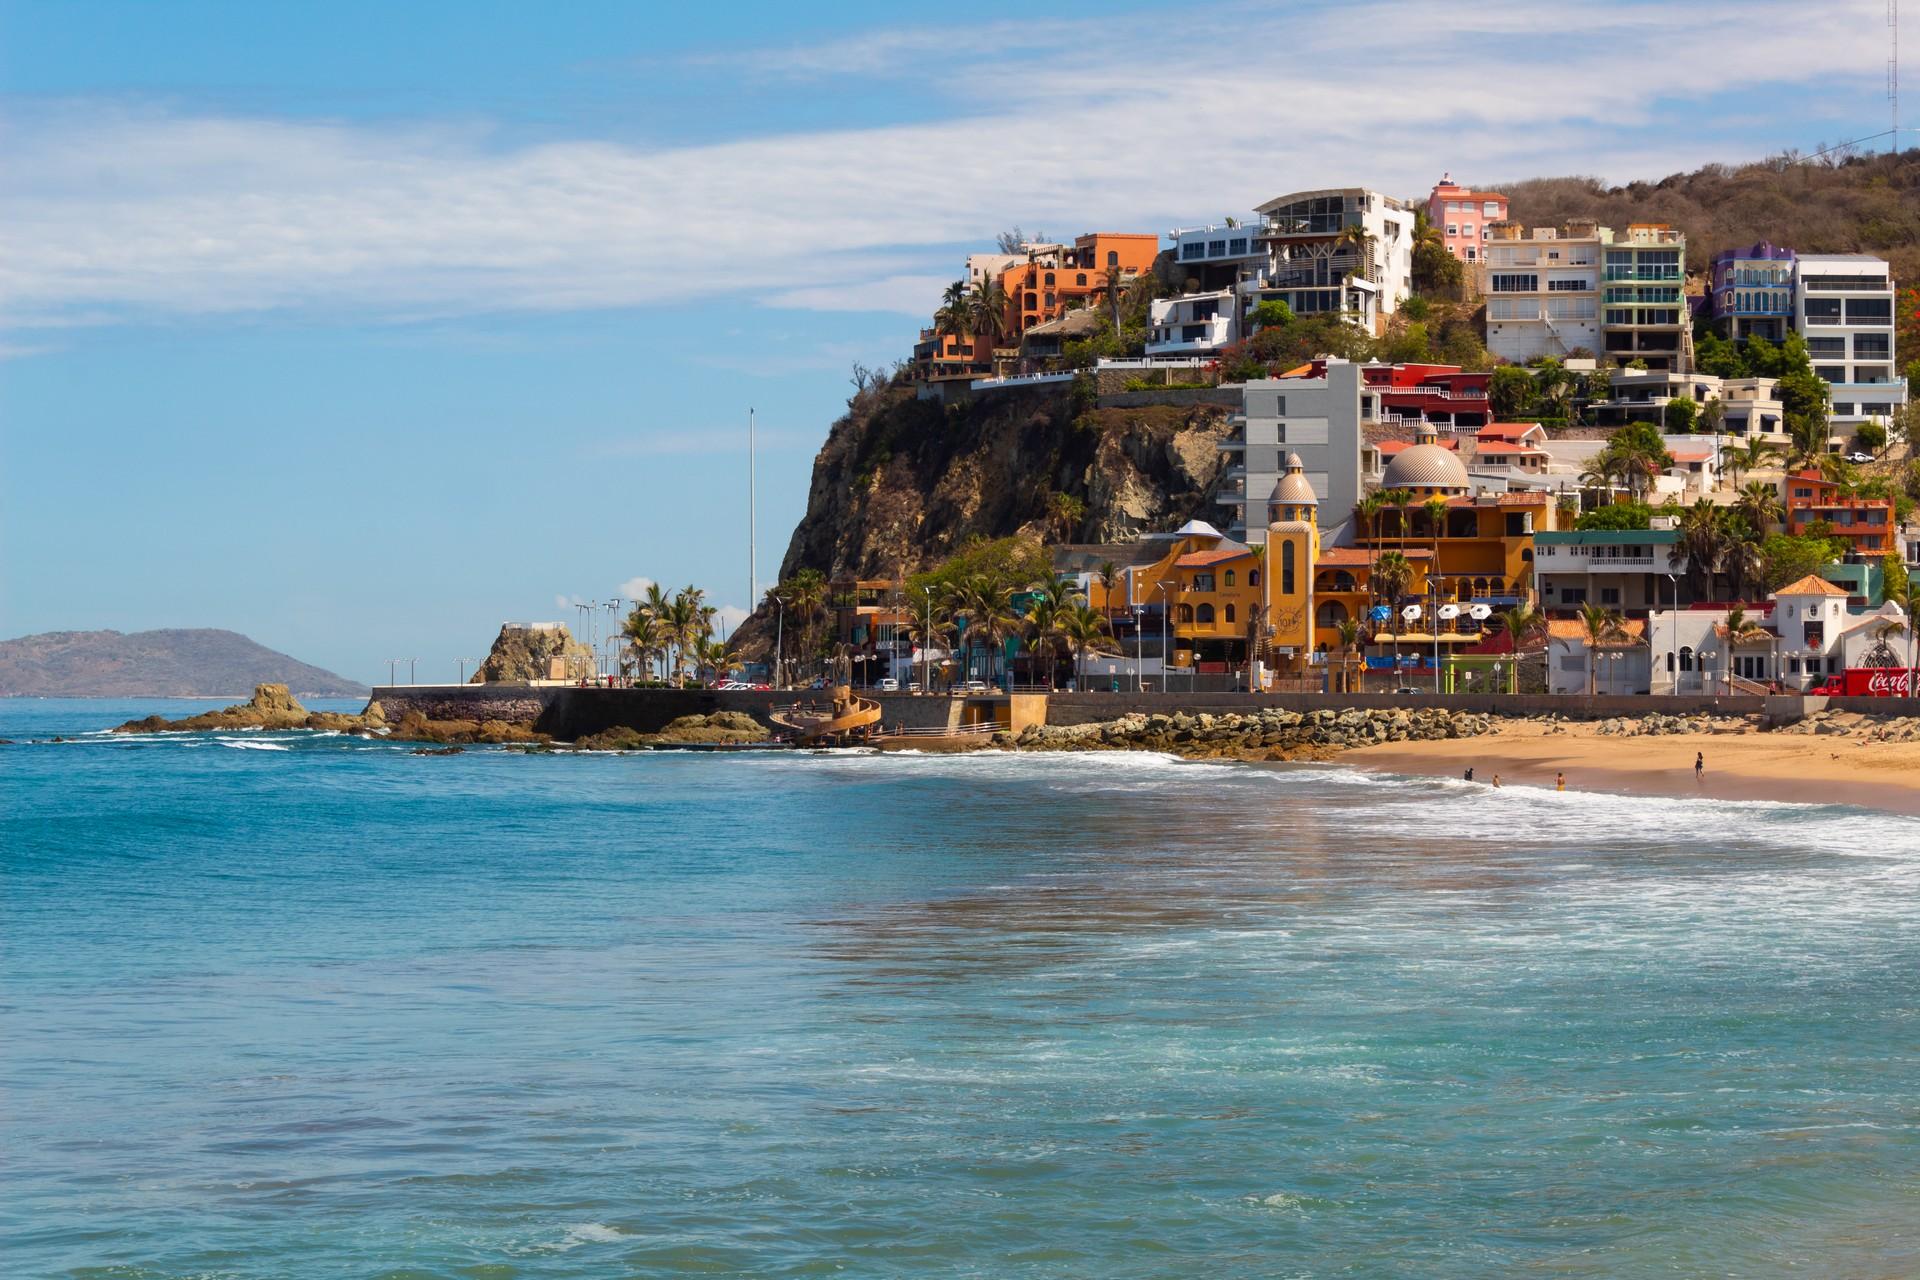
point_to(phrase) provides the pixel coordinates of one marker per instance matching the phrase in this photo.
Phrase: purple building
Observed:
(1751, 292)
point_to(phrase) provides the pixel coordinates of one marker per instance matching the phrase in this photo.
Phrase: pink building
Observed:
(1462, 216)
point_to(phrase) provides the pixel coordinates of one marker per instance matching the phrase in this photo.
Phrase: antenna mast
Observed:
(753, 561)
(1893, 72)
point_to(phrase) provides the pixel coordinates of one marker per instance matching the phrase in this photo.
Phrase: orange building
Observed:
(1867, 524)
(1056, 278)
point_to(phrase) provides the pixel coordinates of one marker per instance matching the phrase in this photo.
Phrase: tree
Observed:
(1703, 539)
(1272, 313)
(1617, 516)
(646, 636)
(1786, 558)
(1738, 459)
(1521, 623)
(1601, 625)
(1869, 437)
(1436, 508)
(1086, 630)
(1759, 506)
(987, 310)
(1366, 514)
(1680, 416)
(1510, 392)
(1744, 564)
(1894, 579)
(1064, 514)
(1636, 453)
(1392, 573)
(1042, 627)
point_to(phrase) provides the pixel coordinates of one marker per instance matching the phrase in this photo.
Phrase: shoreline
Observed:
(1796, 769)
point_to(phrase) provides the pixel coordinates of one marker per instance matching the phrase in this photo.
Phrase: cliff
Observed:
(902, 483)
(189, 663)
(521, 654)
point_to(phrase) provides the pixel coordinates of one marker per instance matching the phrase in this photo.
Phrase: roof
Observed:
(1507, 430)
(1574, 629)
(1425, 466)
(1391, 447)
(1361, 557)
(1293, 488)
(1197, 529)
(1813, 585)
(1201, 559)
(1085, 320)
(1605, 537)
(1690, 455)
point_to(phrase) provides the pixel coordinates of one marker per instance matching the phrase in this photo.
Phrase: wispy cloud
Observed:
(115, 212)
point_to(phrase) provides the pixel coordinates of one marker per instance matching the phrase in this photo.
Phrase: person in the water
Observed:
(1559, 782)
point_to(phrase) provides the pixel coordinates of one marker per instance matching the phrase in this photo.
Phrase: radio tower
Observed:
(1893, 72)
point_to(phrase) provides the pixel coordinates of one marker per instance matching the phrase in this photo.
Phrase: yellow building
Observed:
(1209, 586)
(1293, 549)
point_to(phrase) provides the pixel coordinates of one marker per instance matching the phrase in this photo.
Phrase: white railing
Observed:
(940, 731)
(1019, 380)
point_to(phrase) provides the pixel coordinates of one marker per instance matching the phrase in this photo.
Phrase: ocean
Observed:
(282, 1004)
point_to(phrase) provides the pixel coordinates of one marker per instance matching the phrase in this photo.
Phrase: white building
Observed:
(1616, 666)
(1543, 290)
(1843, 307)
(1344, 251)
(1193, 324)
(1632, 570)
(1218, 255)
(1808, 634)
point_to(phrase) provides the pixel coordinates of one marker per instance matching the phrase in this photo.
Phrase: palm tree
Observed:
(682, 623)
(1436, 508)
(953, 318)
(1741, 630)
(1086, 630)
(1738, 459)
(1759, 506)
(987, 608)
(986, 308)
(1391, 573)
(1109, 574)
(645, 635)
(1744, 564)
(1366, 513)
(1348, 631)
(1601, 625)
(1702, 545)
(1064, 513)
(1042, 625)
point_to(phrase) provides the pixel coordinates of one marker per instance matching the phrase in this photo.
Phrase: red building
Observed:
(1867, 524)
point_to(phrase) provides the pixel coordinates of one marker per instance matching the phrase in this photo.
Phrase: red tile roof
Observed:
(1506, 430)
(1200, 559)
(1811, 585)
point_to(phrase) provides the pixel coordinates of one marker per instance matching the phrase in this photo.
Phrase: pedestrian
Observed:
(1559, 782)
(1699, 766)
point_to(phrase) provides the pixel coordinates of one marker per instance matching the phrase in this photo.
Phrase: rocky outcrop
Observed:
(728, 728)
(271, 707)
(902, 483)
(1268, 734)
(1657, 723)
(415, 727)
(522, 654)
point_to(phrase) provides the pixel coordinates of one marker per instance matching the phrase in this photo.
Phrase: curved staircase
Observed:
(847, 719)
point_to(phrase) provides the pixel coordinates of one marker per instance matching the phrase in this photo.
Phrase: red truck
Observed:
(1871, 682)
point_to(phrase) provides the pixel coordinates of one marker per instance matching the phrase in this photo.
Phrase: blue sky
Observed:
(361, 328)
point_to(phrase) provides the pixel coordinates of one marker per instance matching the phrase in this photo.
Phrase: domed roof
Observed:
(1293, 488)
(1425, 466)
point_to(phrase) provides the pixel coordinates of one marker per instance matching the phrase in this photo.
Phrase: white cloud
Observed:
(116, 212)
(635, 588)
(727, 617)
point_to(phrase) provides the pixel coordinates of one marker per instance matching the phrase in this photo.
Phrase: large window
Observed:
(1871, 346)
(1238, 245)
(1193, 249)
(1286, 567)
(1826, 346)
(1869, 310)
(1515, 283)
(1823, 310)
(1569, 286)
(1216, 248)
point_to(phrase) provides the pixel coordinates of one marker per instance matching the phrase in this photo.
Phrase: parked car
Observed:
(888, 685)
(974, 686)
(1857, 458)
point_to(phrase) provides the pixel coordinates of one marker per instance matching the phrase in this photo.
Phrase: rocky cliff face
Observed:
(521, 654)
(902, 483)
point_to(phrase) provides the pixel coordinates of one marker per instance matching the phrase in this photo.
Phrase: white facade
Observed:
(1316, 261)
(1543, 291)
(1810, 636)
(1194, 324)
(1843, 305)
(1218, 246)
(983, 268)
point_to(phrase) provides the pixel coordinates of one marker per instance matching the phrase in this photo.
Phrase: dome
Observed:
(1426, 466)
(1294, 489)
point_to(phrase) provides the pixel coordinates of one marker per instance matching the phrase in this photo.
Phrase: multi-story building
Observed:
(1843, 307)
(1631, 570)
(1208, 586)
(1316, 418)
(1463, 216)
(1344, 251)
(1867, 524)
(1642, 313)
(1442, 394)
(1193, 324)
(1055, 278)
(1543, 290)
(1751, 292)
(1217, 257)
(1751, 409)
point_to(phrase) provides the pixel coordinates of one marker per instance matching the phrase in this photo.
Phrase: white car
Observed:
(888, 685)
(1858, 458)
(976, 686)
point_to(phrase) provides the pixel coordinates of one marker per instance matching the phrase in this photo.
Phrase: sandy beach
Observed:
(1810, 769)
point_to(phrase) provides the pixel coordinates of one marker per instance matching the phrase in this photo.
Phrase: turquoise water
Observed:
(286, 1005)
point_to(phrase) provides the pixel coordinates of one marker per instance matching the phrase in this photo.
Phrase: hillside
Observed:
(1860, 204)
(155, 664)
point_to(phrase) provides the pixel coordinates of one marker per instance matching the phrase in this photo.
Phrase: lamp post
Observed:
(1497, 686)
(411, 664)
(779, 636)
(392, 666)
(1166, 607)
(1673, 637)
(1706, 661)
(463, 667)
(926, 645)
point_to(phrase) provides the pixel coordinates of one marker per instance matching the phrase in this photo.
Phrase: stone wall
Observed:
(1089, 708)
(1179, 397)
(514, 703)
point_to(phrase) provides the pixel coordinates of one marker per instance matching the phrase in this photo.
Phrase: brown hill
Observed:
(195, 663)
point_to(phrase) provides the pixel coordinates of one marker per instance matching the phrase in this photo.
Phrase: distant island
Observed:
(188, 663)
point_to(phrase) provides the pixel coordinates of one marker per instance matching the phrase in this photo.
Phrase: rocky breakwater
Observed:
(272, 707)
(722, 728)
(1268, 734)
(1658, 724)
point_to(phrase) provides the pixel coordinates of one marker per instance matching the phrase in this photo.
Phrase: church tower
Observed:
(1293, 544)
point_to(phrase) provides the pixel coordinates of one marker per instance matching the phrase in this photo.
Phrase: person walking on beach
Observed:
(1699, 766)
(1559, 782)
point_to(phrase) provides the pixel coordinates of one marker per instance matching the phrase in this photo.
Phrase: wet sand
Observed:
(1800, 768)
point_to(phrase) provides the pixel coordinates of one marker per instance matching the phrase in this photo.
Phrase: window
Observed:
(1686, 658)
(1203, 582)
(1080, 278)
(1192, 250)
(1472, 253)
(1280, 410)
(1823, 310)
(1515, 283)
(1228, 578)
(1287, 568)
(1229, 613)
(1280, 437)
(1237, 246)
(1253, 577)
(1183, 613)
(1490, 209)
(1831, 372)
(1869, 310)
(1049, 280)
(1871, 346)
(1826, 346)
(1466, 228)
(1203, 614)
(1453, 229)
(1609, 595)
(1570, 286)
(1113, 258)
(1216, 248)
(1619, 315)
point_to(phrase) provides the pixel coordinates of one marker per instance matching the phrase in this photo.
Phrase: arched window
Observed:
(1049, 280)
(1113, 258)
(1229, 613)
(1287, 567)
(1204, 614)
(1081, 278)
(1229, 579)
(1686, 658)
(1183, 613)
(1030, 299)
(1526, 554)
(1496, 585)
(1253, 577)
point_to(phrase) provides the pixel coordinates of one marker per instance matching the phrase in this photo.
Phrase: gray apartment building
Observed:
(1317, 418)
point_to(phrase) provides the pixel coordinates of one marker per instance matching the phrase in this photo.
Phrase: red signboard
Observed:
(1872, 682)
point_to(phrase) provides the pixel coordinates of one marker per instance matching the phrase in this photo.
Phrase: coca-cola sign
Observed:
(1879, 682)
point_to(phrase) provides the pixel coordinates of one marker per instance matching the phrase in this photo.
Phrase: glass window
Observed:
(1823, 310)
(1490, 209)
(1287, 568)
(1229, 613)
(1237, 245)
(1515, 283)
(1871, 346)
(1229, 579)
(1453, 229)
(1869, 310)
(1216, 248)
(1569, 286)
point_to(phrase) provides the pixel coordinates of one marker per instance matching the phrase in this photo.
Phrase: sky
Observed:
(361, 328)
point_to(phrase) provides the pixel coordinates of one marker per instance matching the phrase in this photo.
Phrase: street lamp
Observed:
(926, 645)
(392, 668)
(1706, 661)
(1166, 607)
(1673, 638)
(463, 667)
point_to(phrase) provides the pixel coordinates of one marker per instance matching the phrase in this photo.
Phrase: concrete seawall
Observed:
(568, 712)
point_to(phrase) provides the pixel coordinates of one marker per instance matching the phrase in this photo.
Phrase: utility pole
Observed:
(411, 663)
(393, 665)
(753, 565)
(1893, 74)
(463, 667)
